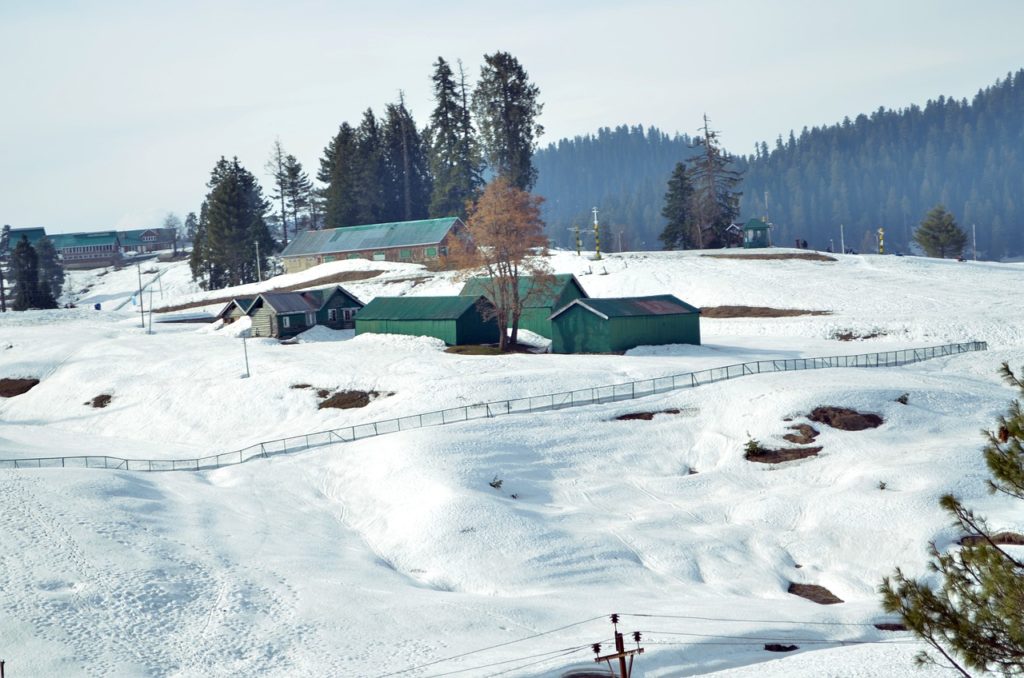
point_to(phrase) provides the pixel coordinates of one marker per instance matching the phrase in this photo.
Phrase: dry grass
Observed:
(755, 312)
(845, 419)
(473, 349)
(15, 387)
(336, 279)
(853, 336)
(805, 256)
(767, 456)
(647, 416)
(814, 593)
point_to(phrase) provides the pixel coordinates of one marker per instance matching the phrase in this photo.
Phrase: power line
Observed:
(789, 640)
(492, 647)
(562, 650)
(523, 666)
(749, 621)
(773, 639)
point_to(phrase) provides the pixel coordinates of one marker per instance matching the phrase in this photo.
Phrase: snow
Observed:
(374, 556)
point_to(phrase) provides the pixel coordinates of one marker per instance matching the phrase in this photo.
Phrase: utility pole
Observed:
(618, 236)
(881, 241)
(842, 240)
(142, 313)
(259, 273)
(245, 350)
(579, 241)
(620, 651)
(150, 330)
(974, 238)
(597, 236)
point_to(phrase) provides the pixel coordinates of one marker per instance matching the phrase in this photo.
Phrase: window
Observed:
(378, 256)
(431, 251)
(347, 314)
(332, 315)
(443, 250)
(405, 254)
(286, 322)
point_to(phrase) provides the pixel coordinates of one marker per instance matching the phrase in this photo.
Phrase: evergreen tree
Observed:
(297, 189)
(28, 292)
(191, 224)
(454, 158)
(51, 273)
(714, 204)
(5, 253)
(506, 107)
(371, 180)
(976, 614)
(277, 169)
(407, 181)
(340, 171)
(234, 232)
(938, 235)
(678, 233)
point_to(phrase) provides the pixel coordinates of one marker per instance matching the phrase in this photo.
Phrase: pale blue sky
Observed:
(114, 112)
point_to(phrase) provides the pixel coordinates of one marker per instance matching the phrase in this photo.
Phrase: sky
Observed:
(114, 112)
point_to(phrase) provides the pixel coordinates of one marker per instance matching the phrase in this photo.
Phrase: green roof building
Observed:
(148, 239)
(756, 233)
(285, 314)
(543, 297)
(235, 309)
(412, 241)
(454, 320)
(617, 325)
(34, 235)
(88, 250)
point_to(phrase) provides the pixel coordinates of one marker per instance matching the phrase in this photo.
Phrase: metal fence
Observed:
(541, 403)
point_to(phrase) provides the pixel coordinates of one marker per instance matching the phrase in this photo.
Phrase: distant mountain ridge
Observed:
(886, 169)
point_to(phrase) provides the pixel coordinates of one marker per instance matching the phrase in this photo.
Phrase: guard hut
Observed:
(617, 325)
(756, 233)
(454, 320)
(543, 296)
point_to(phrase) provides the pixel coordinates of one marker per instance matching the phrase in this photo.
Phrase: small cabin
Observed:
(543, 296)
(756, 233)
(285, 314)
(235, 309)
(617, 325)
(454, 320)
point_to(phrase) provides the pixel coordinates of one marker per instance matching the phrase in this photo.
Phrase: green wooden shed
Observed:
(453, 320)
(615, 325)
(756, 234)
(285, 314)
(543, 298)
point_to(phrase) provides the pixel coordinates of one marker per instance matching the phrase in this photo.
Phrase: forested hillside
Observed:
(886, 169)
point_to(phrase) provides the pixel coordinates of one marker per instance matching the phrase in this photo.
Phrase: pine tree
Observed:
(715, 200)
(5, 250)
(407, 181)
(191, 224)
(297, 189)
(340, 170)
(233, 228)
(506, 107)
(51, 273)
(976, 614)
(277, 170)
(678, 233)
(938, 235)
(371, 181)
(25, 273)
(454, 158)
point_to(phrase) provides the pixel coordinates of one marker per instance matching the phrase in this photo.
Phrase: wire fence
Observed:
(541, 403)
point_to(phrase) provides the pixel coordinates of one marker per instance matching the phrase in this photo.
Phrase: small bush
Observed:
(496, 483)
(882, 485)
(902, 400)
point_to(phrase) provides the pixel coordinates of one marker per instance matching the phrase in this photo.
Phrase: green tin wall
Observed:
(538, 319)
(579, 331)
(445, 330)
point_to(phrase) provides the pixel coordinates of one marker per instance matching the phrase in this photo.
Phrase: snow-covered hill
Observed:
(371, 557)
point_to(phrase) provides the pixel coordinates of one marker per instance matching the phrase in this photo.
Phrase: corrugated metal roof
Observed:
(134, 237)
(34, 235)
(417, 308)
(661, 304)
(542, 298)
(290, 302)
(370, 237)
(756, 224)
(62, 240)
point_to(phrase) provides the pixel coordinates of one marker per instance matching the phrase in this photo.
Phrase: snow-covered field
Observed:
(372, 557)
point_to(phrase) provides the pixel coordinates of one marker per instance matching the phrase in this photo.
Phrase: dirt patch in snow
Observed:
(15, 387)
(845, 419)
(805, 434)
(100, 401)
(346, 400)
(890, 626)
(755, 312)
(999, 538)
(804, 256)
(767, 456)
(777, 647)
(814, 593)
(850, 335)
(337, 278)
(647, 416)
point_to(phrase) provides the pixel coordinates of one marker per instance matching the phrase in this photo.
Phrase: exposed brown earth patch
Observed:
(767, 456)
(805, 256)
(100, 401)
(15, 387)
(845, 419)
(805, 434)
(890, 626)
(850, 335)
(999, 538)
(346, 400)
(814, 593)
(337, 278)
(777, 647)
(647, 416)
(755, 312)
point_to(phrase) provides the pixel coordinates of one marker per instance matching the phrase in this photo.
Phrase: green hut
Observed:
(285, 314)
(756, 233)
(453, 320)
(615, 325)
(543, 298)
